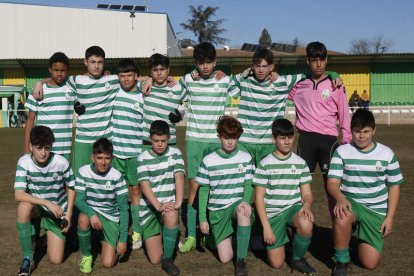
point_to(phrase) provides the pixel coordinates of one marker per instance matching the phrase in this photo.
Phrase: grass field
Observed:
(398, 255)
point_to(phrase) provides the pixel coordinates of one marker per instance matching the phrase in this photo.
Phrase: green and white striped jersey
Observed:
(207, 99)
(366, 176)
(282, 179)
(56, 112)
(159, 104)
(226, 176)
(48, 182)
(126, 122)
(260, 104)
(159, 171)
(101, 191)
(97, 95)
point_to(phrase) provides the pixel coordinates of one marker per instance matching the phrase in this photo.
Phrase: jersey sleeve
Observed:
(120, 186)
(179, 163)
(142, 171)
(292, 80)
(343, 116)
(71, 83)
(236, 80)
(233, 89)
(69, 178)
(248, 188)
(393, 172)
(20, 182)
(31, 104)
(202, 177)
(260, 177)
(336, 168)
(305, 177)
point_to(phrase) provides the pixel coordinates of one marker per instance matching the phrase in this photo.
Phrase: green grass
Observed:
(398, 255)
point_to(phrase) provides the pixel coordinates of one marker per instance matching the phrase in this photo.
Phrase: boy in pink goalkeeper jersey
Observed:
(318, 108)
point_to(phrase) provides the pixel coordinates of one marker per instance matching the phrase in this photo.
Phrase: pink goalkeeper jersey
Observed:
(318, 108)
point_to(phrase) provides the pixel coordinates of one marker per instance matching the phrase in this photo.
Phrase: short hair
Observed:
(229, 127)
(158, 59)
(127, 65)
(263, 54)
(316, 49)
(103, 145)
(159, 127)
(41, 136)
(94, 51)
(362, 118)
(58, 57)
(282, 127)
(204, 52)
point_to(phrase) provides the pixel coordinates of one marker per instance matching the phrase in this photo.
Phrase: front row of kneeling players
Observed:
(363, 178)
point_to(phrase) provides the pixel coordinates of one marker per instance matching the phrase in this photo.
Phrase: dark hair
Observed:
(158, 59)
(282, 127)
(316, 49)
(204, 52)
(94, 51)
(362, 118)
(103, 145)
(228, 127)
(58, 57)
(41, 136)
(159, 127)
(127, 65)
(263, 54)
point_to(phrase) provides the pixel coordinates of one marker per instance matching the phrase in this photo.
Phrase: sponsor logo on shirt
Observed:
(218, 173)
(325, 94)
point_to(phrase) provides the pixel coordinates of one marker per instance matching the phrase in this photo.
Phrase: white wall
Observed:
(29, 31)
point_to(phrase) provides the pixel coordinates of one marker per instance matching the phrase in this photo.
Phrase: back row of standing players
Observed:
(113, 107)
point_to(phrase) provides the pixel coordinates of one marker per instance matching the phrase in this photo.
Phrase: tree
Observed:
(376, 45)
(265, 39)
(205, 29)
(186, 42)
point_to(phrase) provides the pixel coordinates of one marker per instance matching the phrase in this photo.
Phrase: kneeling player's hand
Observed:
(245, 209)
(65, 224)
(96, 223)
(175, 117)
(204, 227)
(79, 108)
(269, 236)
(121, 248)
(386, 227)
(55, 209)
(306, 213)
(342, 208)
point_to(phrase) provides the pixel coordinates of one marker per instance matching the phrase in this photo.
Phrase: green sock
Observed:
(136, 226)
(243, 237)
(342, 255)
(24, 232)
(191, 221)
(84, 237)
(169, 237)
(300, 246)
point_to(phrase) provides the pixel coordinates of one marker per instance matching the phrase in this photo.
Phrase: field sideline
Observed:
(398, 254)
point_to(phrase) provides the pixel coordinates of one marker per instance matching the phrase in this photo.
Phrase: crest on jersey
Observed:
(109, 185)
(67, 96)
(55, 176)
(136, 106)
(241, 168)
(378, 166)
(325, 94)
(107, 86)
(216, 87)
(170, 94)
(293, 169)
(170, 160)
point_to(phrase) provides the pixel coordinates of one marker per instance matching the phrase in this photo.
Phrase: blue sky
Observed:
(335, 23)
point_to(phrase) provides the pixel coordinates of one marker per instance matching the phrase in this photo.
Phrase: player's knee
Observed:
(371, 264)
(226, 258)
(56, 260)
(108, 263)
(305, 227)
(276, 264)
(342, 222)
(154, 260)
(83, 222)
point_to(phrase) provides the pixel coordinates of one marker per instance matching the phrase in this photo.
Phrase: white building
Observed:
(36, 32)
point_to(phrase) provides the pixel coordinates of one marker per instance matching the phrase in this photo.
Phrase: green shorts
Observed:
(153, 226)
(223, 222)
(279, 223)
(109, 232)
(369, 225)
(81, 155)
(257, 151)
(50, 224)
(128, 168)
(195, 154)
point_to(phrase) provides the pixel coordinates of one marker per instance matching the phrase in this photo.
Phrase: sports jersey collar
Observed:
(315, 84)
(159, 155)
(95, 78)
(282, 159)
(365, 152)
(55, 86)
(98, 173)
(224, 155)
(52, 155)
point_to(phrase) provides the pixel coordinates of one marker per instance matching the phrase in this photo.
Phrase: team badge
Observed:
(109, 185)
(136, 106)
(325, 94)
(325, 167)
(55, 176)
(241, 168)
(216, 87)
(67, 96)
(107, 86)
(170, 160)
(293, 169)
(378, 166)
(170, 94)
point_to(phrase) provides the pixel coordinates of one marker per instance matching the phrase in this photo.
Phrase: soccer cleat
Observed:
(189, 244)
(303, 266)
(136, 240)
(340, 269)
(26, 267)
(168, 265)
(241, 267)
(85, 265)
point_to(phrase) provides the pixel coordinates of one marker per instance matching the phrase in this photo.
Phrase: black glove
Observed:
(79, 108)
(175, 117)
